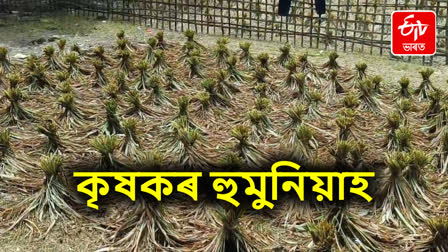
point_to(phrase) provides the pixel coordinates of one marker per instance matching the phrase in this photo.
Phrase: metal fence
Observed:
(348, 25)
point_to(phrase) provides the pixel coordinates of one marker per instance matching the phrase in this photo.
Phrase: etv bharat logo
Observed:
(413, 33)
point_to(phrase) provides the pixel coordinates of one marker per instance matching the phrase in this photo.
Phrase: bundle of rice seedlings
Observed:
(232, 70)
(14, 112)
(120, 34)
(71, 113)
(151, 161)
(106, 146)
(73, 67)
(190, 35)
(142, 81)
(263, 104)
(38, 79)
(333, 88)
(304, 145)
(260, 124)
(189, 49)
(122, 42)
(402, 139)
(13, 78)
(51, 203)
(396, 198)
(351, 100)
(51, 61)
(292, 78)
(144, 226)
(313, 109)
(246, 57)
(352, 232)
(195, 67)
(438, 123)
(404, 91)
(361, 68)
(437, 241)
(112, 125)
(123, 45)
(184, 142)
(172, 83)
(120, 78)
(285, 54)
(404, 106)
(49, 129)
(150, 49)
(217, 99)
(260, 75)
(320, 234)
(261, 90)
(223, 86)
(124, 63)
(130, 144)
(331, 65)
(246, 150)
(345, 124)
(230, 161)
(66, 86)
(31, 62)
(183, 103)
(99, 54)
(111, 91)
(62, 76)
(160, 63)
(204, 104)
(376, 80)
(302, 92)
(61, 47)
(161, 42)
(348, 112)
(341, 153)
(310, 70)
(136, 107)
(99, 79)
(230, 236)
(368, 96)
(263, 60)
(435, 96)
(5, 64)
(414, 174)
(357, 155)
(221, 52)
(262, 87)
(393, 124)
(426, 85)
(441, 155)
(158, 94)
(296, 114)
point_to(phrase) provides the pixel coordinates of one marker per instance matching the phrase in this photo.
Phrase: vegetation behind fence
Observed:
(27, 7)
(348, 25)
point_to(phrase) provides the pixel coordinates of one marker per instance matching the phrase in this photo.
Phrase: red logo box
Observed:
(413, 33)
